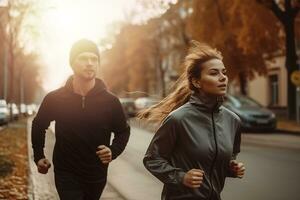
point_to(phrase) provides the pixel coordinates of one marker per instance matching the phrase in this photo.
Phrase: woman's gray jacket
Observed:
(197, 135)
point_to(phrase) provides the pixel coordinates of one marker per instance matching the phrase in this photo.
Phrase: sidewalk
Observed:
(42, 187)
(278, 141)
(288, 126)
(283, 126)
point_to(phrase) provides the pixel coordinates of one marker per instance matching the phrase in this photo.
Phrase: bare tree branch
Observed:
(277, 11)
(272, 5)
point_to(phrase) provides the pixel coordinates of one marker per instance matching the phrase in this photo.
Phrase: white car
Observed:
(15, 110)
(4, 112)
(128, 106)
(145, 102)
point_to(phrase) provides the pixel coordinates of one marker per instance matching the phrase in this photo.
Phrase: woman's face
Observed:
(213, 79)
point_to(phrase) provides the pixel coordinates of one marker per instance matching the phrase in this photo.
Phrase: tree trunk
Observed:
(243, 83)
(287, 18)
(161, 76)
(11, 75)
(290, 64)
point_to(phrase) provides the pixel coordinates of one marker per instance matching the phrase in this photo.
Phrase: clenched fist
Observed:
(104, 153)
(193, 178)
(43, 165)
(237, 168)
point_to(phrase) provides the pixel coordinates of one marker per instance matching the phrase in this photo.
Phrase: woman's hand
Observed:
(193, 178)
(237, 168)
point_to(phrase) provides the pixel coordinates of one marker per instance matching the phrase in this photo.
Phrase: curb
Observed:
(267, 145)
(285, 131)
(279, 141)
(30, 181)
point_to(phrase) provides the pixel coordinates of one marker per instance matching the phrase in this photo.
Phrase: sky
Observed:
(62, 22)
(3, 3)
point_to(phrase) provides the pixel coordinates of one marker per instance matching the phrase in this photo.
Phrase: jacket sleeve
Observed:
(120, 128)
(39, 125)
(236, 147)
(158, 154)
(237, 141)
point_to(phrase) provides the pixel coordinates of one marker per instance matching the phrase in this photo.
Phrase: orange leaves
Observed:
(243, 30)
(13, 150)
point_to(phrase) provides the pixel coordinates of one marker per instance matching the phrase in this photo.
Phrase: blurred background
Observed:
(142, 45)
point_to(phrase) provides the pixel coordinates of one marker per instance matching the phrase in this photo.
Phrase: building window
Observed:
(274, 90)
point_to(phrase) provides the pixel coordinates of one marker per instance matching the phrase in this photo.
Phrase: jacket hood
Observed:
(98, 88)
(205, 102)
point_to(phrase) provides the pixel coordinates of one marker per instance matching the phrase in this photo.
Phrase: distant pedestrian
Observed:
(85, 115)
(196, 145)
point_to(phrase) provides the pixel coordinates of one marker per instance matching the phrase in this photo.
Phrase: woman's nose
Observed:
(223, 77)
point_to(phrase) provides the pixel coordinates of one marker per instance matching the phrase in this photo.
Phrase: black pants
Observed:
(71, 187)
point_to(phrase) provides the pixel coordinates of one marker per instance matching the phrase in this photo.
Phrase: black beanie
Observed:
(81, 46)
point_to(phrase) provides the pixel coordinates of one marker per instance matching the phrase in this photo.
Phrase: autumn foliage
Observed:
(248, 33)
(14, 162)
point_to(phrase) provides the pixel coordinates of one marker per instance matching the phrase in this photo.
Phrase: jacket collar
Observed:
(205, 102)
(98, 88)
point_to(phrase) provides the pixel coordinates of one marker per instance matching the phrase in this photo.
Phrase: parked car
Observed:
(253, 115)
(4, 113)
(15, 110)
(145, 102)
(128, 106)
(30, 109)
(23, 109)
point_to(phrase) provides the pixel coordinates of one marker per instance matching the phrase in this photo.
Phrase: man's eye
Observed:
(82, 58)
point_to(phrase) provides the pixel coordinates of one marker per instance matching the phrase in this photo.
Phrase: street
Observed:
(271, 173)
(272, 170)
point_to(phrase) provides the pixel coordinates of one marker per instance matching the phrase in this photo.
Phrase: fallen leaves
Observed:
(14, 156)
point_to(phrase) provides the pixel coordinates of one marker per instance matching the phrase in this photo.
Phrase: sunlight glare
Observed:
(67, 21)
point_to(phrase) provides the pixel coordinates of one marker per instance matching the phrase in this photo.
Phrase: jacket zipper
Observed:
(215, 158)
(83, 102)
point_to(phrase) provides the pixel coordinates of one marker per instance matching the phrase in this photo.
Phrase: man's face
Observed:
(85, 65)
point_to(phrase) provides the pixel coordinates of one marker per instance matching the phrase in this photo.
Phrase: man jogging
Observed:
(85, 116)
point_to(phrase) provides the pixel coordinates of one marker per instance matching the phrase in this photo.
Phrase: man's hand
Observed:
(193, 178)
(237, 168)
(104, 153)
(43, 165)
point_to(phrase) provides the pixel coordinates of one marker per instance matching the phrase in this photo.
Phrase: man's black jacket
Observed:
(81, 124)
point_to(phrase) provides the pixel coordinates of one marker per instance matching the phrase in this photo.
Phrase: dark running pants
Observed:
(70, 187)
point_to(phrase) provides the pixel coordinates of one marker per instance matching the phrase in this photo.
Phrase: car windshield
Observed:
(242, 101)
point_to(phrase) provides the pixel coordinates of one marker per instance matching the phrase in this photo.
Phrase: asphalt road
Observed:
(272, 162)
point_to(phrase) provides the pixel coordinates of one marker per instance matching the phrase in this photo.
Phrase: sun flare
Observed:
(66, 21)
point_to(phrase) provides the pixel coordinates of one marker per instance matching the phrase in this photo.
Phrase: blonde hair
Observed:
(198, 53)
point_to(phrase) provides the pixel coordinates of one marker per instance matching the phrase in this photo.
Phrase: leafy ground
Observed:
(13, 162)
